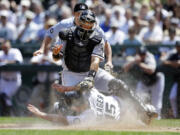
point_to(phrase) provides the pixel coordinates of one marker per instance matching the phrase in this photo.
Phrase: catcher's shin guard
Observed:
(116, 86)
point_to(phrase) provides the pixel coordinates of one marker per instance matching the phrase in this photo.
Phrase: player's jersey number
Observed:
(110, 110)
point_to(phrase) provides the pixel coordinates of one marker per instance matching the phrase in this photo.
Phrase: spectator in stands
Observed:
(66, 13)
(152, 34)
(175, 22)
(118, 17)
(27, 32)
(106, 24)
(172, 38)
(138, 23)
(131, 40)
(5, 5)
(39, 14)
(98, 7)
(57, 9)
(151, 83)
(153, 3)
(128, 22)
(176, 10)
(114, 35)
(166, 25)
(169, 40)
(173, 60)
(158, 12)
(41, 80)
(9, 81)
(7, 29)
(134, 6)
(169, 5)
(144, 12)
(21, 18)
(48, 23)
(117, 5)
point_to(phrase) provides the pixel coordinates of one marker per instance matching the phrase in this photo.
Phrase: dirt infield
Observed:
(112, 127)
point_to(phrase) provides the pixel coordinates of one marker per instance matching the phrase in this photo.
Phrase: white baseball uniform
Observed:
(10, 81)
(69, 78)
(155, 90)
(101, 107)
(102, 77)
(173, 99)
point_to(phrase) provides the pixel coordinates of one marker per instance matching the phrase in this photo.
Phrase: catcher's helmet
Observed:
(80, 6)
(87, 24)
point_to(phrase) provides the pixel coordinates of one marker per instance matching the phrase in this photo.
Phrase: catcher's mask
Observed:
(87, 24)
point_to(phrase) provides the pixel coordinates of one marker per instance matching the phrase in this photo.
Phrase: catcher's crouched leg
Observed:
(146, 111)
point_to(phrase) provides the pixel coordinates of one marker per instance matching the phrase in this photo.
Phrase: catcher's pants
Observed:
(101, 80)
(155, 91)
(173, 99)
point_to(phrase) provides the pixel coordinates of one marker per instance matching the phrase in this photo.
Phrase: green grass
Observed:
(19, 120)
(166, 123)
(61, 132)
(28, 120)
(31, 120)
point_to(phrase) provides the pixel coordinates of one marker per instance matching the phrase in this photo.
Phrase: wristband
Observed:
(56, 56)
(92, 73)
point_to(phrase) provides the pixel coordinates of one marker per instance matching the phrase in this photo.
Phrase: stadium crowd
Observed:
(125, 22)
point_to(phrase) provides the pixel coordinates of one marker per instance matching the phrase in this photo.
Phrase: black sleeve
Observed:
(63, 34)
(173, 57)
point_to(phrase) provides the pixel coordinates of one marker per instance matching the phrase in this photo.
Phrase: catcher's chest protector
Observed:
(78, 52)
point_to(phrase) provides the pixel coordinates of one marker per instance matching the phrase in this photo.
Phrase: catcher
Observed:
(52, 34)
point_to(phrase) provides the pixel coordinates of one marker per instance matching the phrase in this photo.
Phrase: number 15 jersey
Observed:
(107, 107)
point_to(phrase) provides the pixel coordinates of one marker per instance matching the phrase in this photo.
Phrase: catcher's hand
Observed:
(87, 83)
(56, 49)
